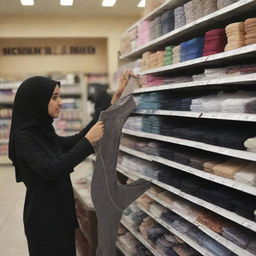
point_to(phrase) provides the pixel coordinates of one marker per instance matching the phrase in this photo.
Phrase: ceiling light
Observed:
(66, 2)
(142, 3)
(27, 2)
(108, 3)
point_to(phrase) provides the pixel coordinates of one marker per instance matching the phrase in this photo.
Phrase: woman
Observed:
(43, 162)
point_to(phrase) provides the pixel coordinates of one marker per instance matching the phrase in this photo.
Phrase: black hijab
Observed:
(30, 112)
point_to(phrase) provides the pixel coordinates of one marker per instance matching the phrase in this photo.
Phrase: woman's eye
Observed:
(54, 97)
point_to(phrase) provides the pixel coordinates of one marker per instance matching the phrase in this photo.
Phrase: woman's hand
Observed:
(122, 84)
(95, 133)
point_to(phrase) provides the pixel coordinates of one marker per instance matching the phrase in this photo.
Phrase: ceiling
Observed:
(80, 7)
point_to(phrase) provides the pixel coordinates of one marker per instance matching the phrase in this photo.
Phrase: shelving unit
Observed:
(248, 79)
(7, 93)
(214, 208)
(200, 145)
(216, 59)
(235, 12)
(208, 176)
(241, 7)
(182, 236)
(213, 115)
(228, 244)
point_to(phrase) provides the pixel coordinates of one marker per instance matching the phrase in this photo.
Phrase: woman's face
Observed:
(55, 103)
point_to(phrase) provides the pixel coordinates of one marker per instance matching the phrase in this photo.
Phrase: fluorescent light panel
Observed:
(66, 2)
(142, 3)
(108, 3)
(27, 2)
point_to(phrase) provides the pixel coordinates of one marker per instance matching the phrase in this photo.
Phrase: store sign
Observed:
(48, 50)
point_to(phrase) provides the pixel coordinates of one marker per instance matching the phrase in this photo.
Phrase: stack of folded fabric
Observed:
(209, 243)
(235, 36)
(176, 54)
(141, 250)
(129, 242)
(144, 201)
(198, 8)
(145, 60)
(184, 250)
(148, 101)
(197, 161)
(237, 102)
(152, 60)
(179, 16)
(229, 168)
(214, 73)
(214, 104)
(197, 103)
(242, 237)
(152, 148)
(167, 21)
(192, 49)
(169, 217)
(146, 224)
(209, 6)
(213, 221)
(156, 232)
(172, 178)
(167, 197)
(247, 174)
(189, 12)
(160, 55)
(250, 144)
(133, 215)
(143, 32)
(148, 80)
(134, 123)
(250, 31)
(223, 3)
(245, 205)
(157, 209)
(217, 194)
(214, 42)
(155, 190)
(164, 246)
(168, 55)
(209, 165)
(155, 28)
(182, 225)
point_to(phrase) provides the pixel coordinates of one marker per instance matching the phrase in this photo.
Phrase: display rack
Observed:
(208, 176)
(73, 114)
(248, 79)
(239, 8)
(213, 115)
(7, 94)
(248, 51)
(182, 236)
(228, 244)
(195, 144)
(214, 208)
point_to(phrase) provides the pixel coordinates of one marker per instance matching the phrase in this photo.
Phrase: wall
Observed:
(107, 27)
(45, 64)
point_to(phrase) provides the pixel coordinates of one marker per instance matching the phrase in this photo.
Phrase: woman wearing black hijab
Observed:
(43, 162)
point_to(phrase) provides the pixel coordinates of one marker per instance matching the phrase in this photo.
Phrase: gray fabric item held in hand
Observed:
(109, 196)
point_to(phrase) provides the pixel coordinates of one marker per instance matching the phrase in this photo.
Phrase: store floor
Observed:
(12, 194)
